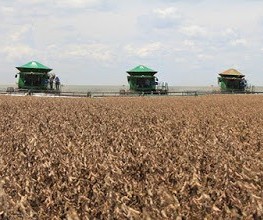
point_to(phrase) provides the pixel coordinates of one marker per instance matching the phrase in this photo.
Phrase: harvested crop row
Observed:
(134, 158)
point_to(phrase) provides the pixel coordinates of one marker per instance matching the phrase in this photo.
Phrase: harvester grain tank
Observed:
(232, 80)
(143, 80)
(33, 76)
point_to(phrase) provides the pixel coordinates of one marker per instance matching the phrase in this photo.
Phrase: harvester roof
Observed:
(34, 66)
(141, 70)
(232, 72)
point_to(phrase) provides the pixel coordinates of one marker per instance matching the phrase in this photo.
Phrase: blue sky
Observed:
(94, 42)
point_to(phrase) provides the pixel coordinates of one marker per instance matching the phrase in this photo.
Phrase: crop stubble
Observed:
(137, 158)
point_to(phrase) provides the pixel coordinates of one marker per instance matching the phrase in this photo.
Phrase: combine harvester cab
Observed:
(232, 81)
(33, 76)
(142, 80)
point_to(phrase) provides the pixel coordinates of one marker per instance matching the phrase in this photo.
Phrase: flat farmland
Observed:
(131, 158)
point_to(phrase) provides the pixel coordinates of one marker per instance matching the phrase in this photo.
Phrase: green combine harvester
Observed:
(232, 81)
(33, 76)
(143, 80)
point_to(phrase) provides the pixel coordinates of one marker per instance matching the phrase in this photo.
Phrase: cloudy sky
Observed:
(94, 42)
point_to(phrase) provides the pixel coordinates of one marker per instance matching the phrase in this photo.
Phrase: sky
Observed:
(94, 42)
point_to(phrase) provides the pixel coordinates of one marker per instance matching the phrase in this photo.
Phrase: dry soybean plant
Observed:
(131, 158)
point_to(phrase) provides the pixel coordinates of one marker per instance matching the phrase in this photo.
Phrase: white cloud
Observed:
(230, 32)
(169, 12)
(32, 1)
(189, 43)
(180, 60)
(204, 57)
(19, 32)
(17, 51)
(239, 42)
(7, 10)
(194, 31)
(145, 50)
(160, 18)
(77, 3)
(99, 52)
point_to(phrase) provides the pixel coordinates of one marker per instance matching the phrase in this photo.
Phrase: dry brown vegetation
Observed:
(135, 158)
